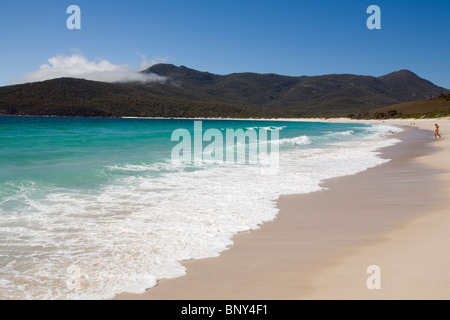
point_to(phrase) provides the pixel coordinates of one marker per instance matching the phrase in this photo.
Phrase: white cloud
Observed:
(77, 66)
(146, 64)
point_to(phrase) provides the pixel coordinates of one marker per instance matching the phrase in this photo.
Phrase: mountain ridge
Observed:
(189, 92)
(346, 92)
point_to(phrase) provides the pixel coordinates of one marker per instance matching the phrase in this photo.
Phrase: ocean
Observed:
(93, 207)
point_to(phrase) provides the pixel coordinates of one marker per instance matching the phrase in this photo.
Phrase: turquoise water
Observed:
(93, 207)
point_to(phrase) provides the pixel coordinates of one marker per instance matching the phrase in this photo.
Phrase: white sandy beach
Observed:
(414, 260)
(395, 216)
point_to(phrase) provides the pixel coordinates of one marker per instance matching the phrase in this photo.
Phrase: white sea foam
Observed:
(302, 140)
(267, 128)
(136, 230)
(343, 133)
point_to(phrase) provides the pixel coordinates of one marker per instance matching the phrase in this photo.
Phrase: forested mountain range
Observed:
(187, 92)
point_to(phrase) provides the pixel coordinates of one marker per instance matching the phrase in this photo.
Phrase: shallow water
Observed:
(93, 207)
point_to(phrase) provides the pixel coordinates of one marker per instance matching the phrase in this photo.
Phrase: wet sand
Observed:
(320, 244)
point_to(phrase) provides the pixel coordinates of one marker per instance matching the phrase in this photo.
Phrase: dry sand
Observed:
(415, 259)
(395, 216)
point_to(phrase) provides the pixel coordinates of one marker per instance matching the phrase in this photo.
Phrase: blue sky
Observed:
(285, 37)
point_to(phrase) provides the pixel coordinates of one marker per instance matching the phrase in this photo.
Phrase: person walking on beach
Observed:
(436, 132)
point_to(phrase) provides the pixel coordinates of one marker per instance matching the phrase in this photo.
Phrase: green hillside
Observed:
(190, 93)
(430, 108)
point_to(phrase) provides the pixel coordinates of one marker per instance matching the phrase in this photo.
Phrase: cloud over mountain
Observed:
(78, 66)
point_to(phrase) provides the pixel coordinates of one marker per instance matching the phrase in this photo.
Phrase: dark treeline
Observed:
(191, 93)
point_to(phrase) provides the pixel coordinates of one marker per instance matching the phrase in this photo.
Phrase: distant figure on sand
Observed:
(436, 132)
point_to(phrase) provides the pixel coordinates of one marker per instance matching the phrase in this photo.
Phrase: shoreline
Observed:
(414, 258)
(293, 251)
(404, 121)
